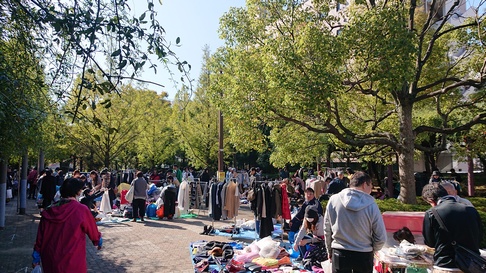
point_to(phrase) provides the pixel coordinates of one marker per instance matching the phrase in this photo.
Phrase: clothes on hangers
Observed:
(232, 199)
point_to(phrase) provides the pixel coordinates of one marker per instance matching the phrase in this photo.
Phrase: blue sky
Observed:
(196, 22)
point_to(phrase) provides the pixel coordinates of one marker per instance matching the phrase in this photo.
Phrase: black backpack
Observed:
(315, 255)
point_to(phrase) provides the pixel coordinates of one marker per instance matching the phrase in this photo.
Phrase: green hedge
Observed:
(393, 205)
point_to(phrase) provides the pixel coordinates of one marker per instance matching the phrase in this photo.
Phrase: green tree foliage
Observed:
(73, 36)
(156, 142)
(197, 125)
(24, 105)
(127, 129)
(362, 81)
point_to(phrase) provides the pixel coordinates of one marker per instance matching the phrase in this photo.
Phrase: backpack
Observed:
(315, 255)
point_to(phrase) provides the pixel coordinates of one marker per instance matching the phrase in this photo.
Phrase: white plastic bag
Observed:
(327, 266)
(9, 193)
(37, 269)
(129, 195)
(105, 206)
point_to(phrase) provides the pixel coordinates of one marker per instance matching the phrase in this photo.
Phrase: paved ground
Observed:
(153, 246)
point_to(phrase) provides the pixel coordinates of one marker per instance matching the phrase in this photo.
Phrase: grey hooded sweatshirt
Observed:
(353, 222)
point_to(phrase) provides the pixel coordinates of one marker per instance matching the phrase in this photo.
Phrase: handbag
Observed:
(9, 193)
(315, 255)
(129, 196)
(250, 196)
(466, 260)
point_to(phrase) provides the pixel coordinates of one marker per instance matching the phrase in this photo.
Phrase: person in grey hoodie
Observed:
(353, 227)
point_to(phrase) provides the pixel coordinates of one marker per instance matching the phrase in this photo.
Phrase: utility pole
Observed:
(220, 175)
(221, 149)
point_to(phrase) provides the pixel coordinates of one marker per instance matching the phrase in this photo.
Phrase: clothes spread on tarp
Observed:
(239, 257)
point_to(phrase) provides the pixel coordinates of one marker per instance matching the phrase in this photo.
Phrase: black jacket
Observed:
(463, 223)
(88, 199)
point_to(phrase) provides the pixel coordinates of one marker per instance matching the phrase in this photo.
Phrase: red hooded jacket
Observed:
(61, 237)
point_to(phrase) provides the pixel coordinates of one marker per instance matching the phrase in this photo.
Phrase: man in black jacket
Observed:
(463, 223)
(88, 197)
(296, 222)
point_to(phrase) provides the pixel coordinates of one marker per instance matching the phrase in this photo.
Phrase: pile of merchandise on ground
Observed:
(265, 255)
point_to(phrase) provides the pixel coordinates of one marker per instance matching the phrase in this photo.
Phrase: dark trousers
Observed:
(32, 190)
(46, 202)
(138, 208)
(345, 261)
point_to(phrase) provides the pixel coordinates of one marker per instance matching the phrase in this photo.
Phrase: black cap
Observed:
(311, 212)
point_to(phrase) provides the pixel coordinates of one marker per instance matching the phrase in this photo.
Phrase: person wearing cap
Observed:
(435, 177)
(61, 235)
(353, 227)
(311, 231)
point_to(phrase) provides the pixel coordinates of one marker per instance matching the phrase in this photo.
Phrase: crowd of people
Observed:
(351, 225)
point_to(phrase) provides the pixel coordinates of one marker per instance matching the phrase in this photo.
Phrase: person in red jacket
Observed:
(60, 245)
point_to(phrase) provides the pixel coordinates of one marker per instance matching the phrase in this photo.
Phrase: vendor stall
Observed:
(404, 258)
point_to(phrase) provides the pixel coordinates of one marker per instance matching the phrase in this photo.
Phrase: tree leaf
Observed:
(116, 52)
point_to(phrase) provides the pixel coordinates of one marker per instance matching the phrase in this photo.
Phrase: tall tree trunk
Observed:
(23, 183)
(3, 191)
(405, 154)
(106, 160)
(470, 176)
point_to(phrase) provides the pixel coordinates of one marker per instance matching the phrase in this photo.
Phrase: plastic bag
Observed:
(37, 269)
(9, 193)
(327, 266)
(105, 206)
(129, 196)
(160, 212)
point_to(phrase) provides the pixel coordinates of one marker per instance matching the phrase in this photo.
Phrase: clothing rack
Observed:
(199, 195)
(234, 230)
(272, 182)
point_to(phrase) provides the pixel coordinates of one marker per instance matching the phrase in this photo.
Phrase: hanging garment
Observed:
(285, 203)
(232, 201)
(183, 198)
